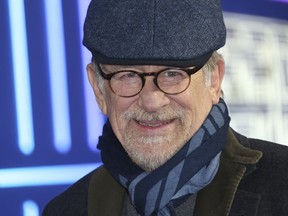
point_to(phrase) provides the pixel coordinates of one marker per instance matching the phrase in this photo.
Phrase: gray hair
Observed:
(210, 65)
(99, 78)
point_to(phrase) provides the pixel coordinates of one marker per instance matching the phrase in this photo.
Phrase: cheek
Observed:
(197, 96)
(116, 106)
(196, 103)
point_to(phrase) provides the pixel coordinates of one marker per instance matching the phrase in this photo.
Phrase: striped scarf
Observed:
(188, 171)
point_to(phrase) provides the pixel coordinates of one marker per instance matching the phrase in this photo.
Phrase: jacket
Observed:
(252, 180)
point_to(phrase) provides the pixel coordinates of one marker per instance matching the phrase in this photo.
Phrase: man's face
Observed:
(152, 126)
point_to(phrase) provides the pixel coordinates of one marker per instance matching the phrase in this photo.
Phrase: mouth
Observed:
(154, 123)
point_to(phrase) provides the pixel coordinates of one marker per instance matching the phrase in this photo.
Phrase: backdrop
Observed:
(49, 120)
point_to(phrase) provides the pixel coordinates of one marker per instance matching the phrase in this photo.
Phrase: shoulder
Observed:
(269, 178)
(274, 155)
(273, 164)
(72, 201)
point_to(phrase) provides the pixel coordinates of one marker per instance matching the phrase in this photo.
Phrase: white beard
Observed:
(151, 151)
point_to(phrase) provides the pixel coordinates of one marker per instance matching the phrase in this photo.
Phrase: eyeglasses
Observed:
(128, 83)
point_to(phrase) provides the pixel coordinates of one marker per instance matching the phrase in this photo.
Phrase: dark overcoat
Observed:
(252, 180)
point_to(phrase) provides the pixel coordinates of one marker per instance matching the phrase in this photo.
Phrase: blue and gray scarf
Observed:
(188, 171)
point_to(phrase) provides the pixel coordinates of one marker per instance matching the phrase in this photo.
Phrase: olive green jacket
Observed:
(245, 185)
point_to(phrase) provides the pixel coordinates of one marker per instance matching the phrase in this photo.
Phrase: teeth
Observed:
(152, 124)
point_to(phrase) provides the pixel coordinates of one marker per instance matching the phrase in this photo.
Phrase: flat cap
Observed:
(156, 32)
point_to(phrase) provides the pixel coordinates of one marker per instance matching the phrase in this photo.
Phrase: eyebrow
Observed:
(113, 68)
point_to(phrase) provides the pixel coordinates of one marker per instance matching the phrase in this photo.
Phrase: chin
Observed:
(152, 157)
(150, 152)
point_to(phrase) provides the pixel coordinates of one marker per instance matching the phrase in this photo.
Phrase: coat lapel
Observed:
(105, 195)
(217, 198)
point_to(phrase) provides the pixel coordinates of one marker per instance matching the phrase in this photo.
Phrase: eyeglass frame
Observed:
(190, 71)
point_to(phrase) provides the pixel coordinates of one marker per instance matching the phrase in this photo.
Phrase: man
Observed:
(167, 147)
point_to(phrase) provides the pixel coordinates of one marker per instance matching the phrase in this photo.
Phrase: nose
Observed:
(151, 98)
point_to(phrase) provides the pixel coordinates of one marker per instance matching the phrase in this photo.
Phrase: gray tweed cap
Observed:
(156, 32)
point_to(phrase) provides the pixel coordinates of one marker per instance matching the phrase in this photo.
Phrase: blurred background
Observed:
(49, 120)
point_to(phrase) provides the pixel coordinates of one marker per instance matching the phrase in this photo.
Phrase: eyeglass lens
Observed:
(130, 83)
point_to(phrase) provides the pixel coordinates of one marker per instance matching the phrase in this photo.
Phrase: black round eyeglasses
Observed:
(128, 83)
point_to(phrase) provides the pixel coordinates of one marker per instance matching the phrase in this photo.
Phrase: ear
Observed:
(216, 81)
(100, 96)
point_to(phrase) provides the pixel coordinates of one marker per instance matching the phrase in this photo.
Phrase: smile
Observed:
(154, 124)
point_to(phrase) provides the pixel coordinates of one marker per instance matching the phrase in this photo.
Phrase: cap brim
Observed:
(197, 62)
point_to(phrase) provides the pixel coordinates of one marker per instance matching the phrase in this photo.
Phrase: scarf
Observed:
(192, 168)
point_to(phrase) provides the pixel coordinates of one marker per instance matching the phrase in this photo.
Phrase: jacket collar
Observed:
(106, 196)
(236, 162)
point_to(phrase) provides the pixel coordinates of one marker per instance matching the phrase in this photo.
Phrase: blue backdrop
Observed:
(49, 120)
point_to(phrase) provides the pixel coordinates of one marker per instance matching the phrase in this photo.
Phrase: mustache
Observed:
(165, 114)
